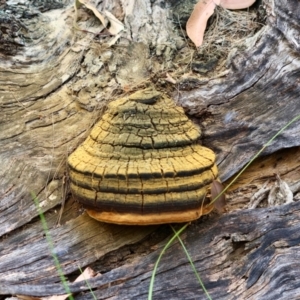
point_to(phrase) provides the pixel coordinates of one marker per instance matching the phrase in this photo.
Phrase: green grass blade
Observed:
(192, 264)
(88, 284)
(177, 234)
(150, 293)
(51, 247)
(255, 156)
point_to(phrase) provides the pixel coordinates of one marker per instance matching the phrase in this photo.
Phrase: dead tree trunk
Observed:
(55, 82)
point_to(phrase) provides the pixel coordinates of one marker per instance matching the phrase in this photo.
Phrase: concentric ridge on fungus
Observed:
(141, 164)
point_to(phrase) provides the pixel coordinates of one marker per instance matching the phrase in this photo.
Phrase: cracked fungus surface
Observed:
(142, 164)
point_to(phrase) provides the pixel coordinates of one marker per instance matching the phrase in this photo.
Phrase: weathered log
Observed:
(251, 254)
(55, 81)
(256, 97)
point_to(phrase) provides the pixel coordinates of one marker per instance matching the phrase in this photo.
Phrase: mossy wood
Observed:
(142, 164)
(56, 81)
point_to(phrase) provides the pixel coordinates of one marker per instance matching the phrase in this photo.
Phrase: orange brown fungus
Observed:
(142, 165)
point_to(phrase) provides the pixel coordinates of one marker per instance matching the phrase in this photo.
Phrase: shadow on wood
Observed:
(51, 98)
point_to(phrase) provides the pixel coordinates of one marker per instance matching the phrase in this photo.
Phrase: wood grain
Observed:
(240, 255)
(54, 88)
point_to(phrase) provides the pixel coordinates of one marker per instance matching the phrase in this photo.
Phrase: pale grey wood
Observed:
(251, 254)
(27, 258)
(242, 109)
(54, 88)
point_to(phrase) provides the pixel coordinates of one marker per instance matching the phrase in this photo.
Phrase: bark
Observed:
(54, 84)
(251, 254)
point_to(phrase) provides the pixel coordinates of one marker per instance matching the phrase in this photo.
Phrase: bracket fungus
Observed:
(142, 164)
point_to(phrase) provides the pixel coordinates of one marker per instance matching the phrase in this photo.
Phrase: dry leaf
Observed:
(56, 297)
(114, 40)
(196, 23)
(170, 78)
(91, 7)
(86, 274)
(236, 4)
(116, 26)
(216, 189)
